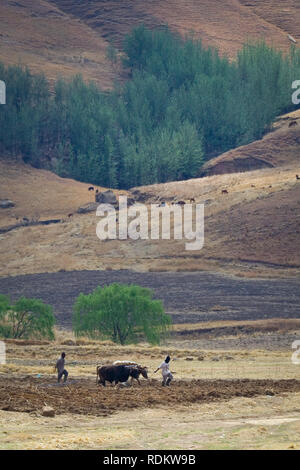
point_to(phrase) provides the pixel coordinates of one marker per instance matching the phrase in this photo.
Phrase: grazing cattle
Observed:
(293, 123)
(224, 191)
(120, 373)
(297, 177)
(91, 188)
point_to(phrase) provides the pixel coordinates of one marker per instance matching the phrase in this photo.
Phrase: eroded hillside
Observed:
(275, 149)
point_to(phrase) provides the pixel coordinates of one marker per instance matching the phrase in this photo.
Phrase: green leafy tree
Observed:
(26, 318)
(122, 313)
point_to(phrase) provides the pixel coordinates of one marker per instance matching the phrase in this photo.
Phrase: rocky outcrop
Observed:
(48, 412)
(106, 197)
(90, 207)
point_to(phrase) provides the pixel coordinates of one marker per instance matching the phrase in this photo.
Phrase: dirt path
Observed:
(189, 297)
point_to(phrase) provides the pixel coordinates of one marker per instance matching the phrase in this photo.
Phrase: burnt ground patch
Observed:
(188, 297)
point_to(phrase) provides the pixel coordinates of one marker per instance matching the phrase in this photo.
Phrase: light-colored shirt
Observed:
(164, 368)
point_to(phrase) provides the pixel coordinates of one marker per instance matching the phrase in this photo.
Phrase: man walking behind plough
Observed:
(167, 376)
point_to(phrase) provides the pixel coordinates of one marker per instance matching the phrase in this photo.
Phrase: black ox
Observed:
(120, 373)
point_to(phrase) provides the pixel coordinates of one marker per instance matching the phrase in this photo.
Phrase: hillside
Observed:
(251, 231)
(275, 149)
(63, 37)
(37, 34)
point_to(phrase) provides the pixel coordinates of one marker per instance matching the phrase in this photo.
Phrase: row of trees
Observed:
(183, 104)
(121, 313)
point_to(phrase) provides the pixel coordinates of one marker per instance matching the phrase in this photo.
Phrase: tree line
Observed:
(182, 105)
(118, 312)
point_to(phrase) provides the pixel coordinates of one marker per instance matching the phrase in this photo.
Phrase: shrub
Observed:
(27, 318)
(122, 313)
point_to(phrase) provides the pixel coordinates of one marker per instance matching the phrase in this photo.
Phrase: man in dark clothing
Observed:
(60, 366)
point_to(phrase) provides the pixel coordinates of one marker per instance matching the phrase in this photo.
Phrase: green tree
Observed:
(122, 313)
(183, 104)
(4, 303)
(26, 318)
(5, 329)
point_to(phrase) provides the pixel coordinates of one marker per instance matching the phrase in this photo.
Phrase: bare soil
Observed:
(82, 396)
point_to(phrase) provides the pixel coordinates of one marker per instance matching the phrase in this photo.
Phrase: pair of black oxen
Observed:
(120, 373)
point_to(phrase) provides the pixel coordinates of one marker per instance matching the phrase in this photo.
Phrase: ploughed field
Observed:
(188, 297)
(83, 396)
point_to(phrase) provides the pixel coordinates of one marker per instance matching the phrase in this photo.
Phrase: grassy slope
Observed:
(256, 223)
(253, 230)
(63, 37)
(277, 147)
(37, 34)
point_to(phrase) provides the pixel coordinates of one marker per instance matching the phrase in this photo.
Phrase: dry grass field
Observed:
(251, 231)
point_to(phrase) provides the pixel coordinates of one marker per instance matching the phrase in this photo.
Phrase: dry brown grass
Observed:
(276, 324)
(62, 38)
(83, 354)
(241, 423)
(275, 148)
(251, 231)
(228, 24)
(40, 194)
(39, 35)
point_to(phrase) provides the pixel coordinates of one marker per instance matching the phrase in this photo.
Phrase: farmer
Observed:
(60, 366)
(167, 376)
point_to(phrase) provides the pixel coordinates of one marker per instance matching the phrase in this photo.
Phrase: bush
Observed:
(122, 313)
(27, 318)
